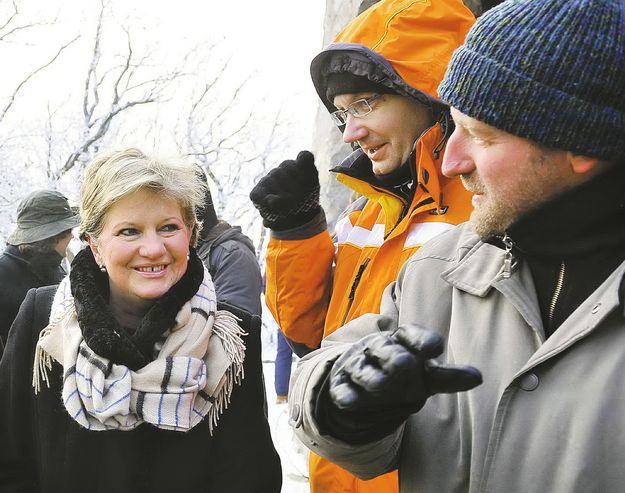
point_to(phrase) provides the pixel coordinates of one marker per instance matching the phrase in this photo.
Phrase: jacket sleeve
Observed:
(365, 461)
(17, 423)
(299, 282)
(236, 275)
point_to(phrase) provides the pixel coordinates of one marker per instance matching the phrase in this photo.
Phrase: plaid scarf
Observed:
(192, 377)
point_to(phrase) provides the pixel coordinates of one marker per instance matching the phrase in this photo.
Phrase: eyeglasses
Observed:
(357, 109)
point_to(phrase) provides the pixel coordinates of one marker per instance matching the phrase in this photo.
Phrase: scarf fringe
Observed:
(226, 328)
(43, 360)
(42, 363)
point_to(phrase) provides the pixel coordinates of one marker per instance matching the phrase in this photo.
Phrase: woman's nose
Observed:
(354, 130)
(152, 245)
(457, 160)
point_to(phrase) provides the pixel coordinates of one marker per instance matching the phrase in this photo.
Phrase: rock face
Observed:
(328, 145)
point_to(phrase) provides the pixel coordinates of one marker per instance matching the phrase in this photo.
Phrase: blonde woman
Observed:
(140, 382)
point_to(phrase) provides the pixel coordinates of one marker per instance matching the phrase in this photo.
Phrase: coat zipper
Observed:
(556, 292)
(508, 260)
(445, 127)
(352, 292)
(402, 215)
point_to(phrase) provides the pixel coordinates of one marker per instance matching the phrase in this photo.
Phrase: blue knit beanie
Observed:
(551, 71)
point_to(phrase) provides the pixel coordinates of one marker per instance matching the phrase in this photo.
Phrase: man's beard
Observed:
(494, 215)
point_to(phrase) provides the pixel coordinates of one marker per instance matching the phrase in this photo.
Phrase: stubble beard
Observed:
(494, 215)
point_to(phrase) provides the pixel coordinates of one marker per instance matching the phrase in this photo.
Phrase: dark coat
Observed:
(44, 450)
(17, 276)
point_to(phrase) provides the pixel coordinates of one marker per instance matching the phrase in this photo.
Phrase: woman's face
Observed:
(144, 246)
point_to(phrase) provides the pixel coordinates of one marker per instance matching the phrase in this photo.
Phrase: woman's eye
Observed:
(128, 232)
(170, 228)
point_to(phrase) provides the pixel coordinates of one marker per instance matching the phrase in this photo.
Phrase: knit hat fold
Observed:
(551, 71)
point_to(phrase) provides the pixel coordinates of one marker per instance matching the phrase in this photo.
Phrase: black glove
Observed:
(384, 378)
(288, 196)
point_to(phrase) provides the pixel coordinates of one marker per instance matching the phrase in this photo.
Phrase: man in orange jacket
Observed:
(378, 81)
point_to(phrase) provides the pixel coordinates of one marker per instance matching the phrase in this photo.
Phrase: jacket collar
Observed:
(46, 267)
(424, 163)
(478, 265)
(478, 268)
(587, 219)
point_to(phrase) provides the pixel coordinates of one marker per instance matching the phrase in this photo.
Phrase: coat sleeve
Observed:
(299, 283)
(365, 461)
(17, 422)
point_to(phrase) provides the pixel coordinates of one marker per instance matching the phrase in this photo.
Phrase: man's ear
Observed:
(583, 164)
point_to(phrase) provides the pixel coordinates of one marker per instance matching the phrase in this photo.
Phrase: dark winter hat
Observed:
(42, 214)
(348, 83)
(207, 214)
(551, 71)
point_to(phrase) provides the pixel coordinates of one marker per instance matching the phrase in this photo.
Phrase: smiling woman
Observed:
(135, 347)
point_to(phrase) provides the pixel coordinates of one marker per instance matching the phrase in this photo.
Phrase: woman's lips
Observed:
(151, 270)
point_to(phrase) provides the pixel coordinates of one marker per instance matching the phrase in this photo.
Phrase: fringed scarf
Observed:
(178, 368)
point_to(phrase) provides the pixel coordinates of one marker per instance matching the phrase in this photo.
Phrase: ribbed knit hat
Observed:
(551, 71)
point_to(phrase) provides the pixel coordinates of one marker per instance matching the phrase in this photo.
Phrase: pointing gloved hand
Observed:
(382, 379)
(288, 196)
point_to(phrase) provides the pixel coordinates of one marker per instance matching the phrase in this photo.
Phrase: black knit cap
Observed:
(551, 71)
(348, 83)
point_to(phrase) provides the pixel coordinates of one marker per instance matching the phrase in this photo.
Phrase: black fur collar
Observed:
(101, 331)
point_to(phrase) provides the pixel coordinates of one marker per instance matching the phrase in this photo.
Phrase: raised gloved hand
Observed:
(384, 378)
(288, 196)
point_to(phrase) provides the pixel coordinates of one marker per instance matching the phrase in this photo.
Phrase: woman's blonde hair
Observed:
(114, 175)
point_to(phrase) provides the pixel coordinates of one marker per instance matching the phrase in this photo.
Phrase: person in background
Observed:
(230, 258)
(530, 291)
(284, 361)
(129, 376)
(34, 251)
(378, 80)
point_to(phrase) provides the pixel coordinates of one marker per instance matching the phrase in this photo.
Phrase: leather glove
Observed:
(382, 379)
(288, 196)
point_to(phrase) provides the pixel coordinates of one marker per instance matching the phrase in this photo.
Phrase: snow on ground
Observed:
(293, 454)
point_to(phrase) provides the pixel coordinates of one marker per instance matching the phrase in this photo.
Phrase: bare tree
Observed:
(110, 91)
(234, 141)
(11, 27)
(129, 92)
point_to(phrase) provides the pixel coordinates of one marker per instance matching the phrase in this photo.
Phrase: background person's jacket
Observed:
(18, 274)
(230, 258)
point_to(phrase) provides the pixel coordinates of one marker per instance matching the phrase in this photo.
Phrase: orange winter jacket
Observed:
(317, 281)
(315, 285)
